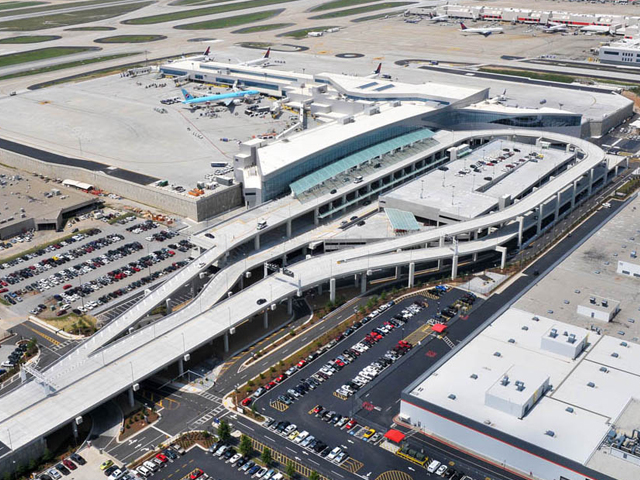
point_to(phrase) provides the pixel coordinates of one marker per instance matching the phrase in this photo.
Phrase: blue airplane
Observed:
(226, 98)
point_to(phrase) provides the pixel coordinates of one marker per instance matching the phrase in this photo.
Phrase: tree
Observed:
(246, 448)
(224, 431)
(314, 476)
(290, 471)
(266, 456)
(47, 455)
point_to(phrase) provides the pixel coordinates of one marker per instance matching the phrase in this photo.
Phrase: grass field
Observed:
(58, 6)
(370, 17)
(233, 21)
(130, 39)
(30, 39)
(302, 33)
(63, 66)
(339, 4)
(70, 18)
(90, 29)
(552, 77)
(40, 54)
(195, 3)
(199, 12)
(264, 28)
(357, 10)
(13, 5)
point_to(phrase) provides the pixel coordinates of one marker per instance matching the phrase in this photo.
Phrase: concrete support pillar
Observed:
(475, 257)
(132, 400)
(289, 228)
(615, 172)
(316, 216)
(193, 288)
(503, 259)
(304, 251)
(441, 243)
(558, 200)
(540, 213)
(412, 274)
(167, 304)
(520, 220)
(181, 366)
(355, 280)
(74, 427)
(256, 242)
(242, 281)
(363, 282)
(226, 342)
(454, 267)
(590, 182)
(320, 289)
(289, 305)
(265, 319)
(398, 272)
(573, 194)
(332, 290)
(284, 259)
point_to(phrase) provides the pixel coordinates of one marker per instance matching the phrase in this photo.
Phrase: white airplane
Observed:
(439, 18)
(262, 61)
(376, 72)
(553, 27)
(486, 31)
(596, 29)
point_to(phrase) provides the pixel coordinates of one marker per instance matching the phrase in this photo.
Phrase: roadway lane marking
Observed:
(291, 449)
(51, 340)
(246, 426)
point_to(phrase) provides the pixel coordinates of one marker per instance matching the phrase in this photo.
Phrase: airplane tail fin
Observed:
(377, 70)
(187, 95)
(463, 26)
(235, 86)
(206, 52)
(266, 55)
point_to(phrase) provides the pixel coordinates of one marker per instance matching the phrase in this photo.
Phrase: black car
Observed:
(64, 470)
(261, 301)
(78, 459)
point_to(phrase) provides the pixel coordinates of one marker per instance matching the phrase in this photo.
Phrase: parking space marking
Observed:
(394, 475)
(282, 459)
(351, 465)
(51, 340)
(278, 405)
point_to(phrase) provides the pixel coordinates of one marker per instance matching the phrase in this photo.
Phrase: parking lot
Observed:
(317, 419)
(92, 268)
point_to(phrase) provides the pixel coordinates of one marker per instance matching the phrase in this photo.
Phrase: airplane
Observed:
(552, 27)
(439, 18)
(486, 31)
(207, 51)
(225, 98)
(604, 29)
(376, 72)
(258, 61)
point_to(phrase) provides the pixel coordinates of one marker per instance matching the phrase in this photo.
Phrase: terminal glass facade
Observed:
(278, 183)
(455, 118)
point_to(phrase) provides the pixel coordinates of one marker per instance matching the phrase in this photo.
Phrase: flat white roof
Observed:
(469, 195)
(377, 87)
(294, 148)
(578, 433)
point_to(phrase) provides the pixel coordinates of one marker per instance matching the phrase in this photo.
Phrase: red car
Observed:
(281, 378)
(67, 286)
(246, 401)
(317, 409)
(69, 464)
(162, 457)
(351, 423)
(197, 473)
(269, 385)
(301, 363)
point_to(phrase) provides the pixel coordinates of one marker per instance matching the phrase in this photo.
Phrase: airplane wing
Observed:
(228, 101)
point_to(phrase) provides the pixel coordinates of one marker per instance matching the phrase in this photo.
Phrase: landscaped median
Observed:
(232, 21)
(29, 39)
(42, 54)
(199, 12)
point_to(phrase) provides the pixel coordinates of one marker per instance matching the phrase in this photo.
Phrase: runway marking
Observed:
(46, 337)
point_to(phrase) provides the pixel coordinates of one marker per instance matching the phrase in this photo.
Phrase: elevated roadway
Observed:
(97, 370)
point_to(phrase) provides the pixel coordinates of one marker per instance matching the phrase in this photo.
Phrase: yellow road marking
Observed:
(340, 396)
(351, 465)
(278, 405)
(394, 475)
(46, 337)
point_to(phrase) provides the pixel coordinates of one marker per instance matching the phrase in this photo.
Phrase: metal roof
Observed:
(401, 220)
(336, 168)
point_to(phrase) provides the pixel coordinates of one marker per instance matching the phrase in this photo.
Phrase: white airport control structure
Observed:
(542, 402)
(623, 52)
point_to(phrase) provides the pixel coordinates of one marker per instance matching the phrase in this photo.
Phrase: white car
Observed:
(334, 453)
(143, 471)
(53, 473)
(441, 470)
(233, 460)
(301, 436)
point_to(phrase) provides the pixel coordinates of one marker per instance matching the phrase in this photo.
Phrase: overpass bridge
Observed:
(103, 367)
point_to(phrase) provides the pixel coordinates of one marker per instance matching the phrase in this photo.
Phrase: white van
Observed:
(151, 466)
(262, 224)
(433, 466)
